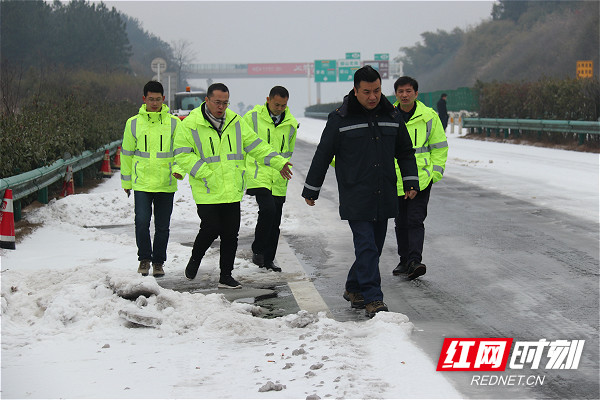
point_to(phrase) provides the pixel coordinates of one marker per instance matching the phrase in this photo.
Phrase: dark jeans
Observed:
(218, 220)
(266, 233)
(364, 276)
(163, 207)
(410, 227)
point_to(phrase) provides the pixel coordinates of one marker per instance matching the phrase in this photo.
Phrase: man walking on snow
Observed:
(431, 150)
(368, 138)
(274, 124)
(148, 167)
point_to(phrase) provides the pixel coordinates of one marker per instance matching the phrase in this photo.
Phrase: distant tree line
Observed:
(523, 41)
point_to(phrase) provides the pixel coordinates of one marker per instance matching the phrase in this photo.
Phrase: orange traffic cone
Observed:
(105, 169)
(7, 222)
(68, 185)
(117, 160)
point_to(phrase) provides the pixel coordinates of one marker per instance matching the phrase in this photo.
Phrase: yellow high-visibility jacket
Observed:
(430, 144)
(216, 162)
(147, 160)
(282, 138)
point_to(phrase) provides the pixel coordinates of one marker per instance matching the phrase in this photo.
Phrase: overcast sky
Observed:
(299, 31)
(242, 32)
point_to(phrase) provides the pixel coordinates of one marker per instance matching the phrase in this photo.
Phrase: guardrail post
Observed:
(17, 210)
(78, 178)
(43, 195)
(488, 132)
(506, 133)
(581, 138)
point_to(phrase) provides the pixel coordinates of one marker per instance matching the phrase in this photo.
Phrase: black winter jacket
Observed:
(365, 145)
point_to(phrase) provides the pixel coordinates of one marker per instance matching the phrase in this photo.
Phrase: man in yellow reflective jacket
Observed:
(431, 151)
(274, 124)
(148, 167)
(211, 145)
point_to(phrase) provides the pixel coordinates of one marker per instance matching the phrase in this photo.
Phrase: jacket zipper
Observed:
(282, 143)
(229, 140)
(146, 143)
(161, 140)
(415, 137)
(211, 146)
(269, 136)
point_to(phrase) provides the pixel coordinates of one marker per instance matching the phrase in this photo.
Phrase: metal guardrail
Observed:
(581, 128)
(39, 179)
(317, 115)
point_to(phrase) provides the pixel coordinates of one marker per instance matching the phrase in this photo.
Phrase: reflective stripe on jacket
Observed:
(430, 144)
(147, 161)
(216, 163)
(281, 138)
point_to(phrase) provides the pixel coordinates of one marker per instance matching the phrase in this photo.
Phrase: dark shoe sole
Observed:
(225, 286)
(420, 270)
(144, 274)
(274, 269)
(158, 275)
(398, 272)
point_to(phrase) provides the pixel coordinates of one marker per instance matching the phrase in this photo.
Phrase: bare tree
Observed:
(183, 54)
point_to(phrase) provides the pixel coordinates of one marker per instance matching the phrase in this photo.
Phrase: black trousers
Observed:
(218, 220)
(266, 233)
(410, 227)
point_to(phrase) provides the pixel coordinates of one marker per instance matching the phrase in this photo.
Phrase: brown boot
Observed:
(374, 307)
(356, 299)
(157, 270)
(144, 267)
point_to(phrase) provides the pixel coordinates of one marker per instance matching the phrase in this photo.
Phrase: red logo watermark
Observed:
(474, 354)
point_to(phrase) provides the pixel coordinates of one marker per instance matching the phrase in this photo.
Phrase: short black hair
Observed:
(154, 87)
(443, 95)
(406, 80)
(279, 91)
(216, 86)
(366, 74)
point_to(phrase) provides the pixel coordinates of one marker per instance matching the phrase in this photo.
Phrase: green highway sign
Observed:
(325, 71)
(382, 56)
(346, 69)
(353, 56)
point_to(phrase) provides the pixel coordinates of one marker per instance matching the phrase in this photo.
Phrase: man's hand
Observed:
(410, 194)
(177, 176)
(286, 172)
(310, 202)
(128, 191)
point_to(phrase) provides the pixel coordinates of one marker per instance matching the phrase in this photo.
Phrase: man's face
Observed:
(277, 104)
(406, 95)
(368, 94)
(217, 103)
(153, 101)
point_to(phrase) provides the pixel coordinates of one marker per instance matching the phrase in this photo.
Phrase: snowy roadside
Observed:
(65, 328)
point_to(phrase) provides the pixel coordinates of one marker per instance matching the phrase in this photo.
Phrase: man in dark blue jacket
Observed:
(366, 135)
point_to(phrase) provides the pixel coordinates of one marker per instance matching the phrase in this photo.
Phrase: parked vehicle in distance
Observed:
(187, 101)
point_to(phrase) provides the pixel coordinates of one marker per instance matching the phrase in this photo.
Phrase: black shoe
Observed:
(192, 268)
(258, 259)
(271, 265)
(415, 269)
(374, 307)
(227, 282)
(356, 299)
(401, 269)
